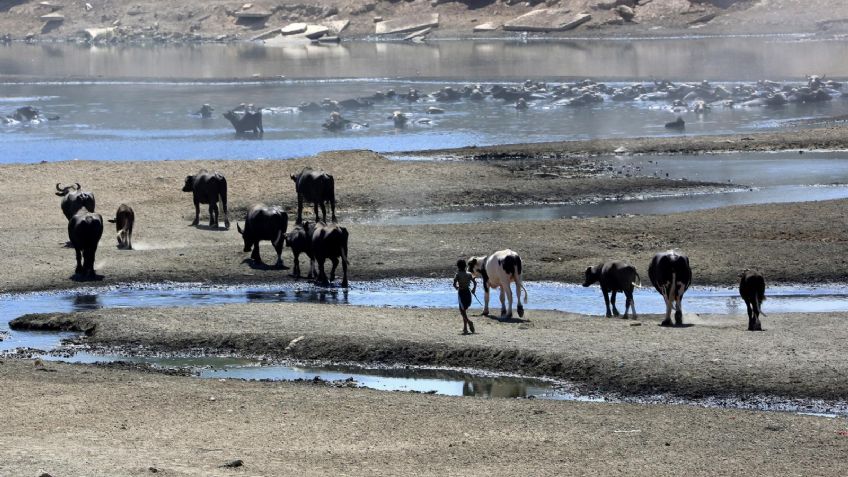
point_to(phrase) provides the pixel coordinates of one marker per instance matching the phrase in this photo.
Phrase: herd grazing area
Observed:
(138, 339)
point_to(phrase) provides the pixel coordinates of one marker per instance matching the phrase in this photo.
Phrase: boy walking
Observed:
(461, 282)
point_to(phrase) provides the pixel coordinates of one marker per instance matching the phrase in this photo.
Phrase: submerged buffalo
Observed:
(752, 288)
(300, 242)
(615, 277)
(264, 223)
(328, 242)
(84, 232)
(207, 188)
(318, 187)
(671, 276)
(250, 121)
(124, 221)
(74, 200)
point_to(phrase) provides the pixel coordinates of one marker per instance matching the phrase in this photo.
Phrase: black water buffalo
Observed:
(124, 221)
(73, 200)
(300, 242)
(264, 223)
(671, 276)
(328, 242)
(207, 187)
(615, 277)
(752, 288)
(315, 186)
(84, 231)
(248, 122)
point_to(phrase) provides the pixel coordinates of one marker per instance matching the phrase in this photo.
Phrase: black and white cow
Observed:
(498, 270)
(671, 276)
(615, 277)
(752, 288)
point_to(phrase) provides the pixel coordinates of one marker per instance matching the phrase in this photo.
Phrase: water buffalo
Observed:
(315, 186)
(498, 270)
(264, 223)
(678, 124)
(300, 242)
(399, 119)
(84, 231)
(328, 242)
(73, 200)
(752, 288)
(124, 221)
(671, 276)
(248, 122)
(206, 188)
(615, 277)
(205, 111)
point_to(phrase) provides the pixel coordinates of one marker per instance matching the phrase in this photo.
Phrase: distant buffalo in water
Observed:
(315, 186)
(73, 200)
(615, 277)
(207, 188)
(124, 221)
(250, 121)
(752, 289)
(671, 276)
(264, 223)
(84, 231)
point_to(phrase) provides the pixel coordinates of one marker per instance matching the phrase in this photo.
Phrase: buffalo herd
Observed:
(669, 272)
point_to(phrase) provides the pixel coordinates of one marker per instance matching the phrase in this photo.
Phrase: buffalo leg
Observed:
(333, 209)
(486, 293)
(196, 212)
(506, 290)
(257, 259)
(315, 211)
(502, 297)
(213, 215)
(78, 270)
(344, 276)
(322, 276)
(311, 267)
(299, 209)
(323, 211)
(757, 325)
(335, 262)
(667, 298)
(278, 247)
(296, 266)
(612, 301)
(518, 287)
(88, 261)
(678, 313)
(628, 304)
(129, 237)
(607, 302)
(224, 206)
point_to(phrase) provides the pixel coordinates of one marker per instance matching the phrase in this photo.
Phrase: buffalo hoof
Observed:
(609, 315)
(485, 313)
(194, 224)
(282, 267)
(678, 317)
(521, 312)
(666, 322)
(465, 332)
(344, 284)
(226, 224)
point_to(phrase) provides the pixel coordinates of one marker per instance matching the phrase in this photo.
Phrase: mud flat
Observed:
(59, 422)
(797, 357)
(796, 242)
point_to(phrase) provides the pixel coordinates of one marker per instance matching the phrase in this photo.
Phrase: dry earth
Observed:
(75, 420)
(157, 20)
(797, 356)
(802, 242)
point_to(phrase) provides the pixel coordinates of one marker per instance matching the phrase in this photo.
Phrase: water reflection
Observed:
(83, 302)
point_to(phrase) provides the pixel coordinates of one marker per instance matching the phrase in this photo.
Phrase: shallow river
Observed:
(133, 103)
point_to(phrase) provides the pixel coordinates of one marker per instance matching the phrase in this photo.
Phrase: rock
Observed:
(266, 34)
(703, 19)
(337, 26)
(51, 6)
(92, 33)
(314, 32)
(483, 27)
(247, 6)
(329, 39)
(254, 15)
(53, 17)
(378, 19)
(406, 24)
(547, 19)
(417, 34)
(233, 464)
(625, 12)
(293, 28)
(88, 7)
(435, 110)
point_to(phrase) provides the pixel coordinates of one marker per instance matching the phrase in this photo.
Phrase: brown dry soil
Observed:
(799, 355)
(215, 20)
(802, 242)
(76, 420)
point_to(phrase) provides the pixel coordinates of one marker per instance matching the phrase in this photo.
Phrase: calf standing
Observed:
(671, 276)
(752, 288)
(300, 242)
(124, 221)
(615, 277)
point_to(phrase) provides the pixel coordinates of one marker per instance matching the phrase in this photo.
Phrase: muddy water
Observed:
(430, 293)
(751, 178)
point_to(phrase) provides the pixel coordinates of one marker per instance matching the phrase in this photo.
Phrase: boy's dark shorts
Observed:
(465, 299)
